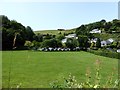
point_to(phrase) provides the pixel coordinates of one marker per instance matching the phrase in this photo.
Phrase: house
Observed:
(95, 31)
(118, 50)
(93, 40)
(107, 42)
(110, 40)
(64, 40)
(103, 43)
(69, 36)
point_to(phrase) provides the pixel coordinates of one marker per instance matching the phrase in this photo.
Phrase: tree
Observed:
(36, 44)
(38, 37)
(98, 43)
(29, 33)
(103, 21)
(51, 43)
(114, 44)
(14, 34)
(60, 37)
(83, 41)
(71, 43)
(29, 44)
(81, 30)
(107, 26)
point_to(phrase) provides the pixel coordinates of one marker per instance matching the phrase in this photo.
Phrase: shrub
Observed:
(106, 53)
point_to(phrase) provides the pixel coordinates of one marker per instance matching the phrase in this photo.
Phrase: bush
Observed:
(106, 53)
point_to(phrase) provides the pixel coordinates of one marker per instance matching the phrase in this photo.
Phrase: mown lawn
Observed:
(37, 69)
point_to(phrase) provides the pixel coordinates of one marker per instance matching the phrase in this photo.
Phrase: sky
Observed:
(58, 15)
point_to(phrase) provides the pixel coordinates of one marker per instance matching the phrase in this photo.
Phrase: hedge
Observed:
(106, 53)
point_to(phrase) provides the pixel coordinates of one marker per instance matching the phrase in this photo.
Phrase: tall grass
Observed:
(71, 81)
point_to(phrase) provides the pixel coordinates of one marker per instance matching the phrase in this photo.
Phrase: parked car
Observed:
(50, 49)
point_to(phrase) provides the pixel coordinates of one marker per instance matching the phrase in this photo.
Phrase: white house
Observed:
(95, 31)
(107, 42)
(118, 50)
(103, 43)
(93, 40)
(110, 40)
(64, 40)
(69, 36)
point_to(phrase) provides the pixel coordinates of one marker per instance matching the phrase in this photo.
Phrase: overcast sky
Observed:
(54, 15)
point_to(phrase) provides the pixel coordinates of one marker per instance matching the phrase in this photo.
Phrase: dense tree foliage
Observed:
(60, 37)
(106, 27)
(98, 43)
(71, 43)
(17, 36)
(51, 43)
(14, 34)
(83, 41)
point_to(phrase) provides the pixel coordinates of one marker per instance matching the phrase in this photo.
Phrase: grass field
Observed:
(38, 69)
(54, 32)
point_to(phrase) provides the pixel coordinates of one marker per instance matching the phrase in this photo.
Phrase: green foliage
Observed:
(14, 34)
(36, 44)
(48, 36)
(105, 53)
(83, 41)
(118, 45)
(29, 44)
(60, 37)
(71, 43)
(71, 81)
(98, 43)
(38, 37)
(51, 43)
(29, 33)
(106, 27)
(81, 30)
(114, 45)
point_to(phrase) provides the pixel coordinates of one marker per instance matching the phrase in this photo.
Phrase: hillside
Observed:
(17, 36)
(54, 32)
(109, 29)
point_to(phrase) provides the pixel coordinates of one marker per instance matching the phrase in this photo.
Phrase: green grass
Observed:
(54, 32)
(38, 69)
(107, 36)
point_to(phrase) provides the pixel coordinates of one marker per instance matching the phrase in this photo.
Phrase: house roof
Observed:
(70, 36)
(110, 40)
(95, 31)
(64, 40)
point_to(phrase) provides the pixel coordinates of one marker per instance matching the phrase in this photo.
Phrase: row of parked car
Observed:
(59, 49)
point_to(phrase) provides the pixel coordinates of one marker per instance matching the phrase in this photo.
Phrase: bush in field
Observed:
(71, 81)
(29, 44)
